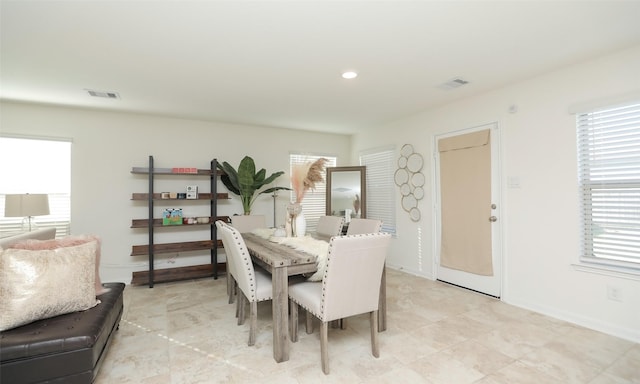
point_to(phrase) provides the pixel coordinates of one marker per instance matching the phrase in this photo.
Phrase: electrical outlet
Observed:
(614, 293)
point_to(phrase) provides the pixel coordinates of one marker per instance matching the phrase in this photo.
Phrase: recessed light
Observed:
(349, 75)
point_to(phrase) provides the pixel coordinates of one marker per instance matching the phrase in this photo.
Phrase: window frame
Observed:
(314, 203)
(609, 186)
(59, 200)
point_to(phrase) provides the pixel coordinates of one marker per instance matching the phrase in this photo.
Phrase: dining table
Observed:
(282, 262)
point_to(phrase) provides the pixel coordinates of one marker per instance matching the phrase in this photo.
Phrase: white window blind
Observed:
(314, 203)
(35, 165)
(609, 177)
(380, 187)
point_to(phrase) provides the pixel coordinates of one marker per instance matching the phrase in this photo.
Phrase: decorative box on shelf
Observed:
(184, 170)
(172, 216)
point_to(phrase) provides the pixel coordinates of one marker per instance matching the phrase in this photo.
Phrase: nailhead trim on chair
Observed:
(247, 260)
(325, 275)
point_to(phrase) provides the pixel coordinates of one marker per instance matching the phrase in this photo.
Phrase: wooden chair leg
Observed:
(241, 300)
(293, 321)
(324, 346)
(238, 304)
(231, 288)
(375, 347)
(309, 324)
(253, 322)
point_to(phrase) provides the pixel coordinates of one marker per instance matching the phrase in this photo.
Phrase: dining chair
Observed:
(253, 286)
(330, 225)
(243, 224)
(359, 226)
(350, 286)
(230, 273)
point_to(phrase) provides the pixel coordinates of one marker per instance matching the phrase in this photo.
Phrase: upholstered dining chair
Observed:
(253, 286)
(243, 224)
(350, 286)
(359, 226)
(230, 273)
(330, 225)
(247, 223)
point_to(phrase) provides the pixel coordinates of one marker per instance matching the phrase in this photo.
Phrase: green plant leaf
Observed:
(258, 179)
(273, 176)
(230, 179)
(273, 189)
(245, 182)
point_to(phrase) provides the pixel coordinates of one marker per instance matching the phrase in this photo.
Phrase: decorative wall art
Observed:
(410, 180)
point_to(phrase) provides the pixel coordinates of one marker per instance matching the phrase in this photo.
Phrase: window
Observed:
(609, 179)
(314, 203)
(34, 165)
(380, 187)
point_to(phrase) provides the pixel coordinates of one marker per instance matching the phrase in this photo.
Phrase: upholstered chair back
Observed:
(351, 284)
(227, 247)
(330, 225)
(360, 226)
(242, 265)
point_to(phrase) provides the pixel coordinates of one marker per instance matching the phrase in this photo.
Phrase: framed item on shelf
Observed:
(172, 217)
(192, 192)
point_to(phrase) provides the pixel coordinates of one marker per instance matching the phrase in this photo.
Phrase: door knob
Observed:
(493, 219)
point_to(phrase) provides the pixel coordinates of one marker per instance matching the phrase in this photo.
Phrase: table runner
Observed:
(307, 244)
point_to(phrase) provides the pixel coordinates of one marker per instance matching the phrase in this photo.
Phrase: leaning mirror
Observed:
(346, 192)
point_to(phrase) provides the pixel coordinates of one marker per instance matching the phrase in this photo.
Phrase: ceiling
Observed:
(278, 63)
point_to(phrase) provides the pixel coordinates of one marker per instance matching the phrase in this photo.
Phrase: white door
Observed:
(468, 226)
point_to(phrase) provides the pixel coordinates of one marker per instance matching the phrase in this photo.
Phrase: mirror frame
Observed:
(363, 187)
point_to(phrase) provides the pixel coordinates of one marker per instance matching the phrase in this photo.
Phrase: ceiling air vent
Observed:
(453, 83)
(106, 95)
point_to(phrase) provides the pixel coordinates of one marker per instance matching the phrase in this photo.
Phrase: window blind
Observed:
(609, 178)
(314, 203)
(380, 187)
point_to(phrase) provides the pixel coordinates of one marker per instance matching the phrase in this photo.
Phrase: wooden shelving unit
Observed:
(152, 275)
(176, 274)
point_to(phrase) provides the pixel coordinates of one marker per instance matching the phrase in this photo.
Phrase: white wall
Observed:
(107, 145)
(541, 218)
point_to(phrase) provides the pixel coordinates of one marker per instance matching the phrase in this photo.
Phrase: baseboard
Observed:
(629, 334)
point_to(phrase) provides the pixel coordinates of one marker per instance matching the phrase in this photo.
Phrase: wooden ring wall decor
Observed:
(409, 178)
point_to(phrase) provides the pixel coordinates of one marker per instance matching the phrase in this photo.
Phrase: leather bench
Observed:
(64, 349)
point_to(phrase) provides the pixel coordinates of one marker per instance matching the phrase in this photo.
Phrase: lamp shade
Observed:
(26, 205)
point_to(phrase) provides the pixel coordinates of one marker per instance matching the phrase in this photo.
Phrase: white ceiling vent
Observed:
(106, 95)
(453, 83)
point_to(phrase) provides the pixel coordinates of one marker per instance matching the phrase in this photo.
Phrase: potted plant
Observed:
(246, 182)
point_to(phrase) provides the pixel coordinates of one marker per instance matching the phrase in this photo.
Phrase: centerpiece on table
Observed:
(304, 177)
(246, 182)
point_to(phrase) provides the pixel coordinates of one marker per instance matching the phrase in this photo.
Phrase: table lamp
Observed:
(27, 206)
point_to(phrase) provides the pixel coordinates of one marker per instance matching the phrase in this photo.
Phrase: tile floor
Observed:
(185, 332)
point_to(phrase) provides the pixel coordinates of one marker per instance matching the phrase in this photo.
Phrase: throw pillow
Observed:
(67, 241)
(37, 285)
